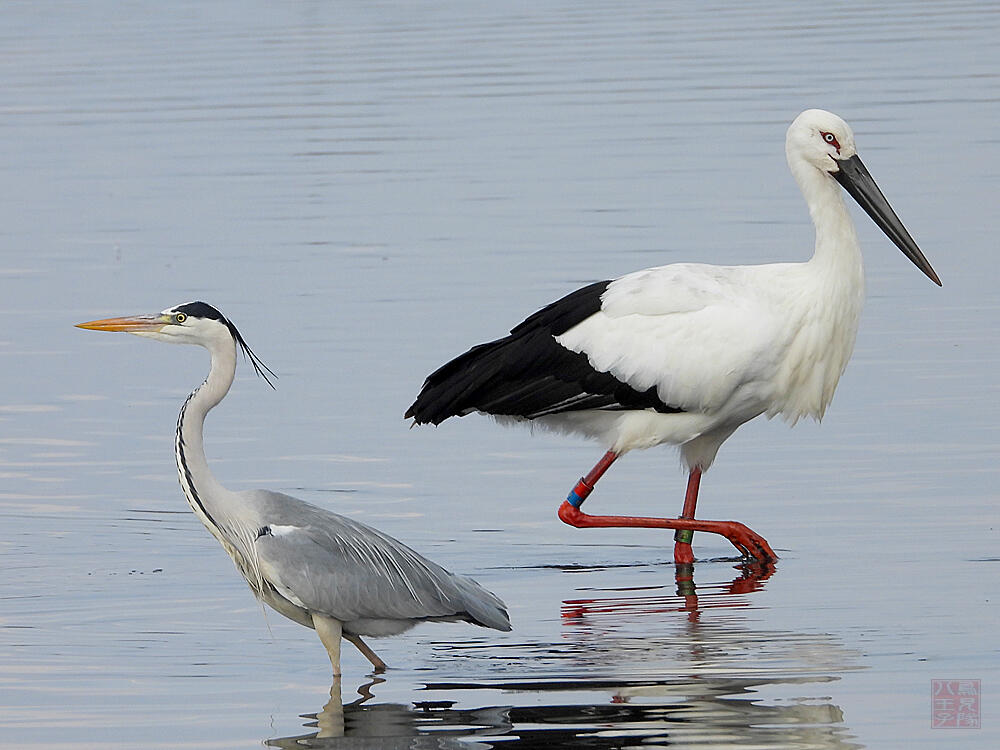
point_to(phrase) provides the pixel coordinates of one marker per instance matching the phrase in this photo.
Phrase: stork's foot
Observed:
(749, 543)
(746, 540)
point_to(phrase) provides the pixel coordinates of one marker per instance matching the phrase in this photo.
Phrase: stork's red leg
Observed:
(745, 539)
(683, 537)
(586, 484)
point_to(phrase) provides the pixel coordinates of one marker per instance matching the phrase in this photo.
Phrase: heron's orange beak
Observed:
(131, 324)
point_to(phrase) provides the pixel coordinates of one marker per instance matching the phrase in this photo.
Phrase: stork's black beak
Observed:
(856, 180)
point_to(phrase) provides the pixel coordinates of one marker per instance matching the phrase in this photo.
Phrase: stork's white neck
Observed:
(837, 256)
(830, 290)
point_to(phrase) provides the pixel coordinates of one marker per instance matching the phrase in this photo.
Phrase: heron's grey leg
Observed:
(368, 653)
(329, 632)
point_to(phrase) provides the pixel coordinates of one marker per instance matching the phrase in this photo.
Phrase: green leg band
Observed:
(686, 587)
(683, 535)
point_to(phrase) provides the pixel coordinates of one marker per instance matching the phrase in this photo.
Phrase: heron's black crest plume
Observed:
(205, 310)
(258, 364)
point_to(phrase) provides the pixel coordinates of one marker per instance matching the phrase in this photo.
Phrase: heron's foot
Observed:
(378, 666)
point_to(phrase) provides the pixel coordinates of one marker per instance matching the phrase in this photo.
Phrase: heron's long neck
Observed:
(202, 489)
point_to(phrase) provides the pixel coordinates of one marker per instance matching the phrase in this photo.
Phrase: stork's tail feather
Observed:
(528, 375)
(523, 374)
(450, 390)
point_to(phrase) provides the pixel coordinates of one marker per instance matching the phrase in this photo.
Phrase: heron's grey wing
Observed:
(339, 567)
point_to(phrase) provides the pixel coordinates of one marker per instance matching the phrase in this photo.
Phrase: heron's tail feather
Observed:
(483, 607)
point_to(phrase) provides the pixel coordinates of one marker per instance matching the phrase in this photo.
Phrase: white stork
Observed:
(686, 353)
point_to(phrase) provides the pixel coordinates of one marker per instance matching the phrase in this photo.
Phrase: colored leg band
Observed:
(686, 587)
(579, 493)
(684, 536)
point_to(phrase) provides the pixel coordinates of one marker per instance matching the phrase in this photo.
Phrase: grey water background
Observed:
(367, 189)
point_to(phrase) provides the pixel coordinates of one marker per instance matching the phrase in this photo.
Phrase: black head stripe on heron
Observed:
(205, 311)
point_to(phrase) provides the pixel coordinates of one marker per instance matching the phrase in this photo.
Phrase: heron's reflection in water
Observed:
(626, 671)
(384, 726)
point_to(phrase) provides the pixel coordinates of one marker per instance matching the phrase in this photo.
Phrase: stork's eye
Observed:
(180, 317)
(831, 139)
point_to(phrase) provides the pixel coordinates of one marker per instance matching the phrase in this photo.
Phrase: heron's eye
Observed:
(832, 140)
(180, 317)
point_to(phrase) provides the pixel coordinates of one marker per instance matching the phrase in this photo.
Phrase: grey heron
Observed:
(685, 353)
(318, 568)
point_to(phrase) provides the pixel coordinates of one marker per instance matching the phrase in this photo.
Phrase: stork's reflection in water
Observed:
(750, 577)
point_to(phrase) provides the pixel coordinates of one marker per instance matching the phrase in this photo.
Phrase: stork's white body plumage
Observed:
(686, 353)
(726, 343)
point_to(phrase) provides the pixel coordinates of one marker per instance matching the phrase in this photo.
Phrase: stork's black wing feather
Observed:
(529, 374)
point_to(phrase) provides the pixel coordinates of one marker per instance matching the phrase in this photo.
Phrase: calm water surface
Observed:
(368, 189)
